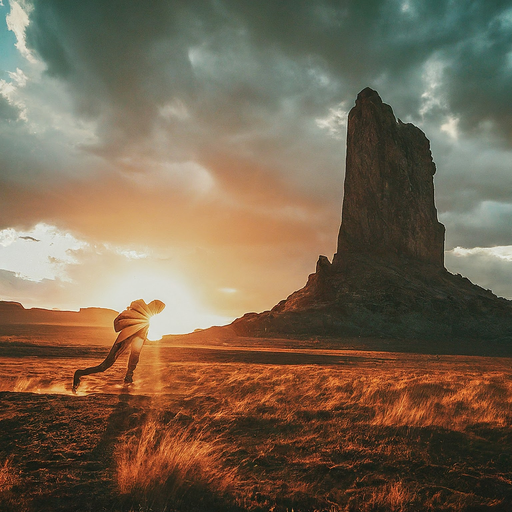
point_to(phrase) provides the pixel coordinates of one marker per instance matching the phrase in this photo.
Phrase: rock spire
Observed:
(388, 205)
(387, 279)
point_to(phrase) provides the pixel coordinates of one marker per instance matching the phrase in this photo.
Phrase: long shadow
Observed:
(98, 484)
(125, 416)
(93, 485)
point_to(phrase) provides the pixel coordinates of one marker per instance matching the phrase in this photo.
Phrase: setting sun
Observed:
(183, 312)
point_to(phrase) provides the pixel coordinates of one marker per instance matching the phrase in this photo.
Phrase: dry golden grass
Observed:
(446, 401)
(10, 480)
(394, 497)
(8, 476)
(165, 468)
(218, 432)
(316, 438)
(453, 400)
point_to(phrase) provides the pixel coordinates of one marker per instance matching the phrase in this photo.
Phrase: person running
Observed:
(133, 326)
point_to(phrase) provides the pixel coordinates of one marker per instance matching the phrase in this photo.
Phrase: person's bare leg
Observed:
(136, 347)
(116, 350)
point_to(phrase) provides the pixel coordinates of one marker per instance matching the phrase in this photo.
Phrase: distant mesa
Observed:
(387, 278)
(14, 313)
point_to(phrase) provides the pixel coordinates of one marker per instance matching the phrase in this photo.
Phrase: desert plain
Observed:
(234, 424)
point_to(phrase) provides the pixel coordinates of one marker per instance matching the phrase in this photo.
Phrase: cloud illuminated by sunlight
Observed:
(17, 21)
(334, 122)
(102, 275)
(451, 127)
(502, 252)
(42, 252)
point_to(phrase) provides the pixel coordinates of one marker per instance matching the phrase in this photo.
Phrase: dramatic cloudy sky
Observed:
(194, 150)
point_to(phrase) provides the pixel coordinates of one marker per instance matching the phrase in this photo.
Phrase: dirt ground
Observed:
(259, 425)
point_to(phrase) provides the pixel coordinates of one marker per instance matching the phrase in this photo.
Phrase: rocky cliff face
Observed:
(387, 278)
(388, 205)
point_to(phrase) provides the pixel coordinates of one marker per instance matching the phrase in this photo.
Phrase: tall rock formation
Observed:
(388, 205)
(387, 278)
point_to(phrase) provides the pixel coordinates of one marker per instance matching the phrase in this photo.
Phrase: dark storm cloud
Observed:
(253, 92)
(244, 80)
(389, 42)
(131, 57)
(479, 72)
(121, 59)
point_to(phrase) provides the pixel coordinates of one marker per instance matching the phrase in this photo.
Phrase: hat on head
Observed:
(156, 306)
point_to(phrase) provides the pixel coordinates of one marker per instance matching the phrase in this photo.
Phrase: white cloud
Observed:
(451, 127)
(503, 252)
(334, 122)
(42, 252)
(175, 109)
(7, 237)
(489, 267)
(17, 21)
(432, 78)
(10, 91)
(18, 77)
(130, 254)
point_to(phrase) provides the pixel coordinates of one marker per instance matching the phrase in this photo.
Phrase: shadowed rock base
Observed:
(365, 297)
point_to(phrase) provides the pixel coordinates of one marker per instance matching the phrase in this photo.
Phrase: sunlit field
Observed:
(255, 426)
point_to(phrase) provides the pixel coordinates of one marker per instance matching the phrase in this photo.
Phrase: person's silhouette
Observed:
(133, 326)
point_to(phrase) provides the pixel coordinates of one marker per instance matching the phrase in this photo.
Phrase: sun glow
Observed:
(183, 312)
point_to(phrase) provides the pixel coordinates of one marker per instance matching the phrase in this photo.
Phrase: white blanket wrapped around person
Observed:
(135, 319)
(133, 326)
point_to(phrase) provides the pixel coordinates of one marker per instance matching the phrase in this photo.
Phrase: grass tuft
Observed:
(10, 482)
(9, 477)
(393, 497)
(172, 468)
